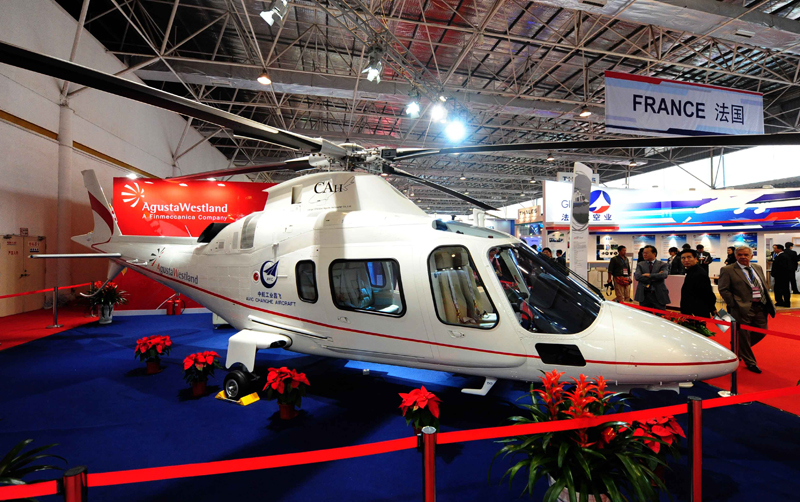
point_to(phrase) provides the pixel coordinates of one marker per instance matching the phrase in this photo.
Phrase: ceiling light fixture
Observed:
(438, 113)
(412, 109)
(456, 130)
(443, 98)
(278, 8)
(632, 163)
(550, 157)
(585, 112)
(463, 177)
(264, 79)
(374, 64)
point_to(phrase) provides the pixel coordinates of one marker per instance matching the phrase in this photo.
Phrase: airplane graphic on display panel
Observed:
(341, 264)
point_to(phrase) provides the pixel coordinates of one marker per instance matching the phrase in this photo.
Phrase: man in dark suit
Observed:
(650, 274)
(561, 258)
(697, 296)
(675, 265)
(745, 290)
(780, 271)
(703, 258)
(793, 261)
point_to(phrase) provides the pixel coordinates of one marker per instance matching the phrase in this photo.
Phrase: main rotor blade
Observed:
(61, 69)
(466, 198)
(291, 165)
(792, 138)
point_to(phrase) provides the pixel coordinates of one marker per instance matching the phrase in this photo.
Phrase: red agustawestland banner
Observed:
(160, 207)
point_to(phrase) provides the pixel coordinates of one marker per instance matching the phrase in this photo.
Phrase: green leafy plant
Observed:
(17, 464)
(110, 294)
(608, 460)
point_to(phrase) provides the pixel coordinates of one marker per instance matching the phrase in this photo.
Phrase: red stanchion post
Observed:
(73, 485)
(55, 309)
(696, 448)
(429, 463)
(735, 349)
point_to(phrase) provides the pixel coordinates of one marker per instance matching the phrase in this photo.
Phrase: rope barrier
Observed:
(45, 290)
(779, 334)
(291, 459)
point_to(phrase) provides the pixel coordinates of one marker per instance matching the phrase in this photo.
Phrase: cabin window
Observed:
(371, 286)
(306, 274)
(458, 291)
(249, 231)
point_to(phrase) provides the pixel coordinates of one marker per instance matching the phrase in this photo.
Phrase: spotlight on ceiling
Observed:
(455, 130)
(550, 157)
(132, 176)
(438, 113)
(532, 181)
(374, 64)
(264, 79)
(522, 193)
(412, 109)
(466, 192)
(443, 98)
(585, 112)
(278, 9)
(463, 176)
(632, 163)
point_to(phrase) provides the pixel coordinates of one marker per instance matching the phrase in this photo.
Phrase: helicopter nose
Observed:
(662, 351)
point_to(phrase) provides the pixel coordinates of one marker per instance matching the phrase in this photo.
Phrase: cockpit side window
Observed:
(543, 297)
(459, 295)
(249, 231)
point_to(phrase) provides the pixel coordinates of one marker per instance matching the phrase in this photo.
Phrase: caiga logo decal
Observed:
(324, 189)
(269, 273)
(599, 202)
(133, 195)
(155, 256)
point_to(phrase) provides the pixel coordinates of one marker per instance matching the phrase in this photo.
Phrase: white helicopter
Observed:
(341, 264)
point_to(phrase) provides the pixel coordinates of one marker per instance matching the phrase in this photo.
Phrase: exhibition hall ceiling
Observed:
(515, 71)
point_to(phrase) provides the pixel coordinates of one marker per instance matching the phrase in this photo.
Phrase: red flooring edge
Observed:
(29, 326)
(778, 359)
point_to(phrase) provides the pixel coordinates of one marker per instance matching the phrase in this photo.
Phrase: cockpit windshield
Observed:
(545, 298)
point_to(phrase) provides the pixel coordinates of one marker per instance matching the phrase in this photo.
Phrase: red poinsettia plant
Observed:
(421, 407)
(660, 431)
(110, 294)
(151, 348)
(606, 460)
(288, 386)
(200, 366)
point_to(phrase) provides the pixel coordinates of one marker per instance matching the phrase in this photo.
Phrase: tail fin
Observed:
(105, 221)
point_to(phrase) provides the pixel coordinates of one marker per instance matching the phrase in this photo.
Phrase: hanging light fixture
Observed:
(585, 112)
(374, 64)
(264, 79)
(632, 163)
(278, 9)
(463, 176)
(550, 157)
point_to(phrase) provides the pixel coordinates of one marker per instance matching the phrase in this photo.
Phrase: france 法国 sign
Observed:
(650, 106)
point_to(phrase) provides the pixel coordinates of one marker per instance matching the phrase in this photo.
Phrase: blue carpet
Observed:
(84, 390)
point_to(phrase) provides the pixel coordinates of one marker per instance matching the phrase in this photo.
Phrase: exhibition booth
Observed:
(716, 219)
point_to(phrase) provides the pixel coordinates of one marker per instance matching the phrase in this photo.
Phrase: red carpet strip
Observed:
(778, 359)
(29, 326)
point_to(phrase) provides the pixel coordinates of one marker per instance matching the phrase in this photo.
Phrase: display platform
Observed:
(83, 389)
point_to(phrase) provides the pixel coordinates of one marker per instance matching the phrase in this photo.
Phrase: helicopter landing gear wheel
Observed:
(236, 385)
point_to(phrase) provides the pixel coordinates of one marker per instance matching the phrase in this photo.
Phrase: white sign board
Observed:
(579, 221)
(659, 107)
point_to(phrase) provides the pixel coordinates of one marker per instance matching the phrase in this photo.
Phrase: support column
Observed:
(64, 207)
